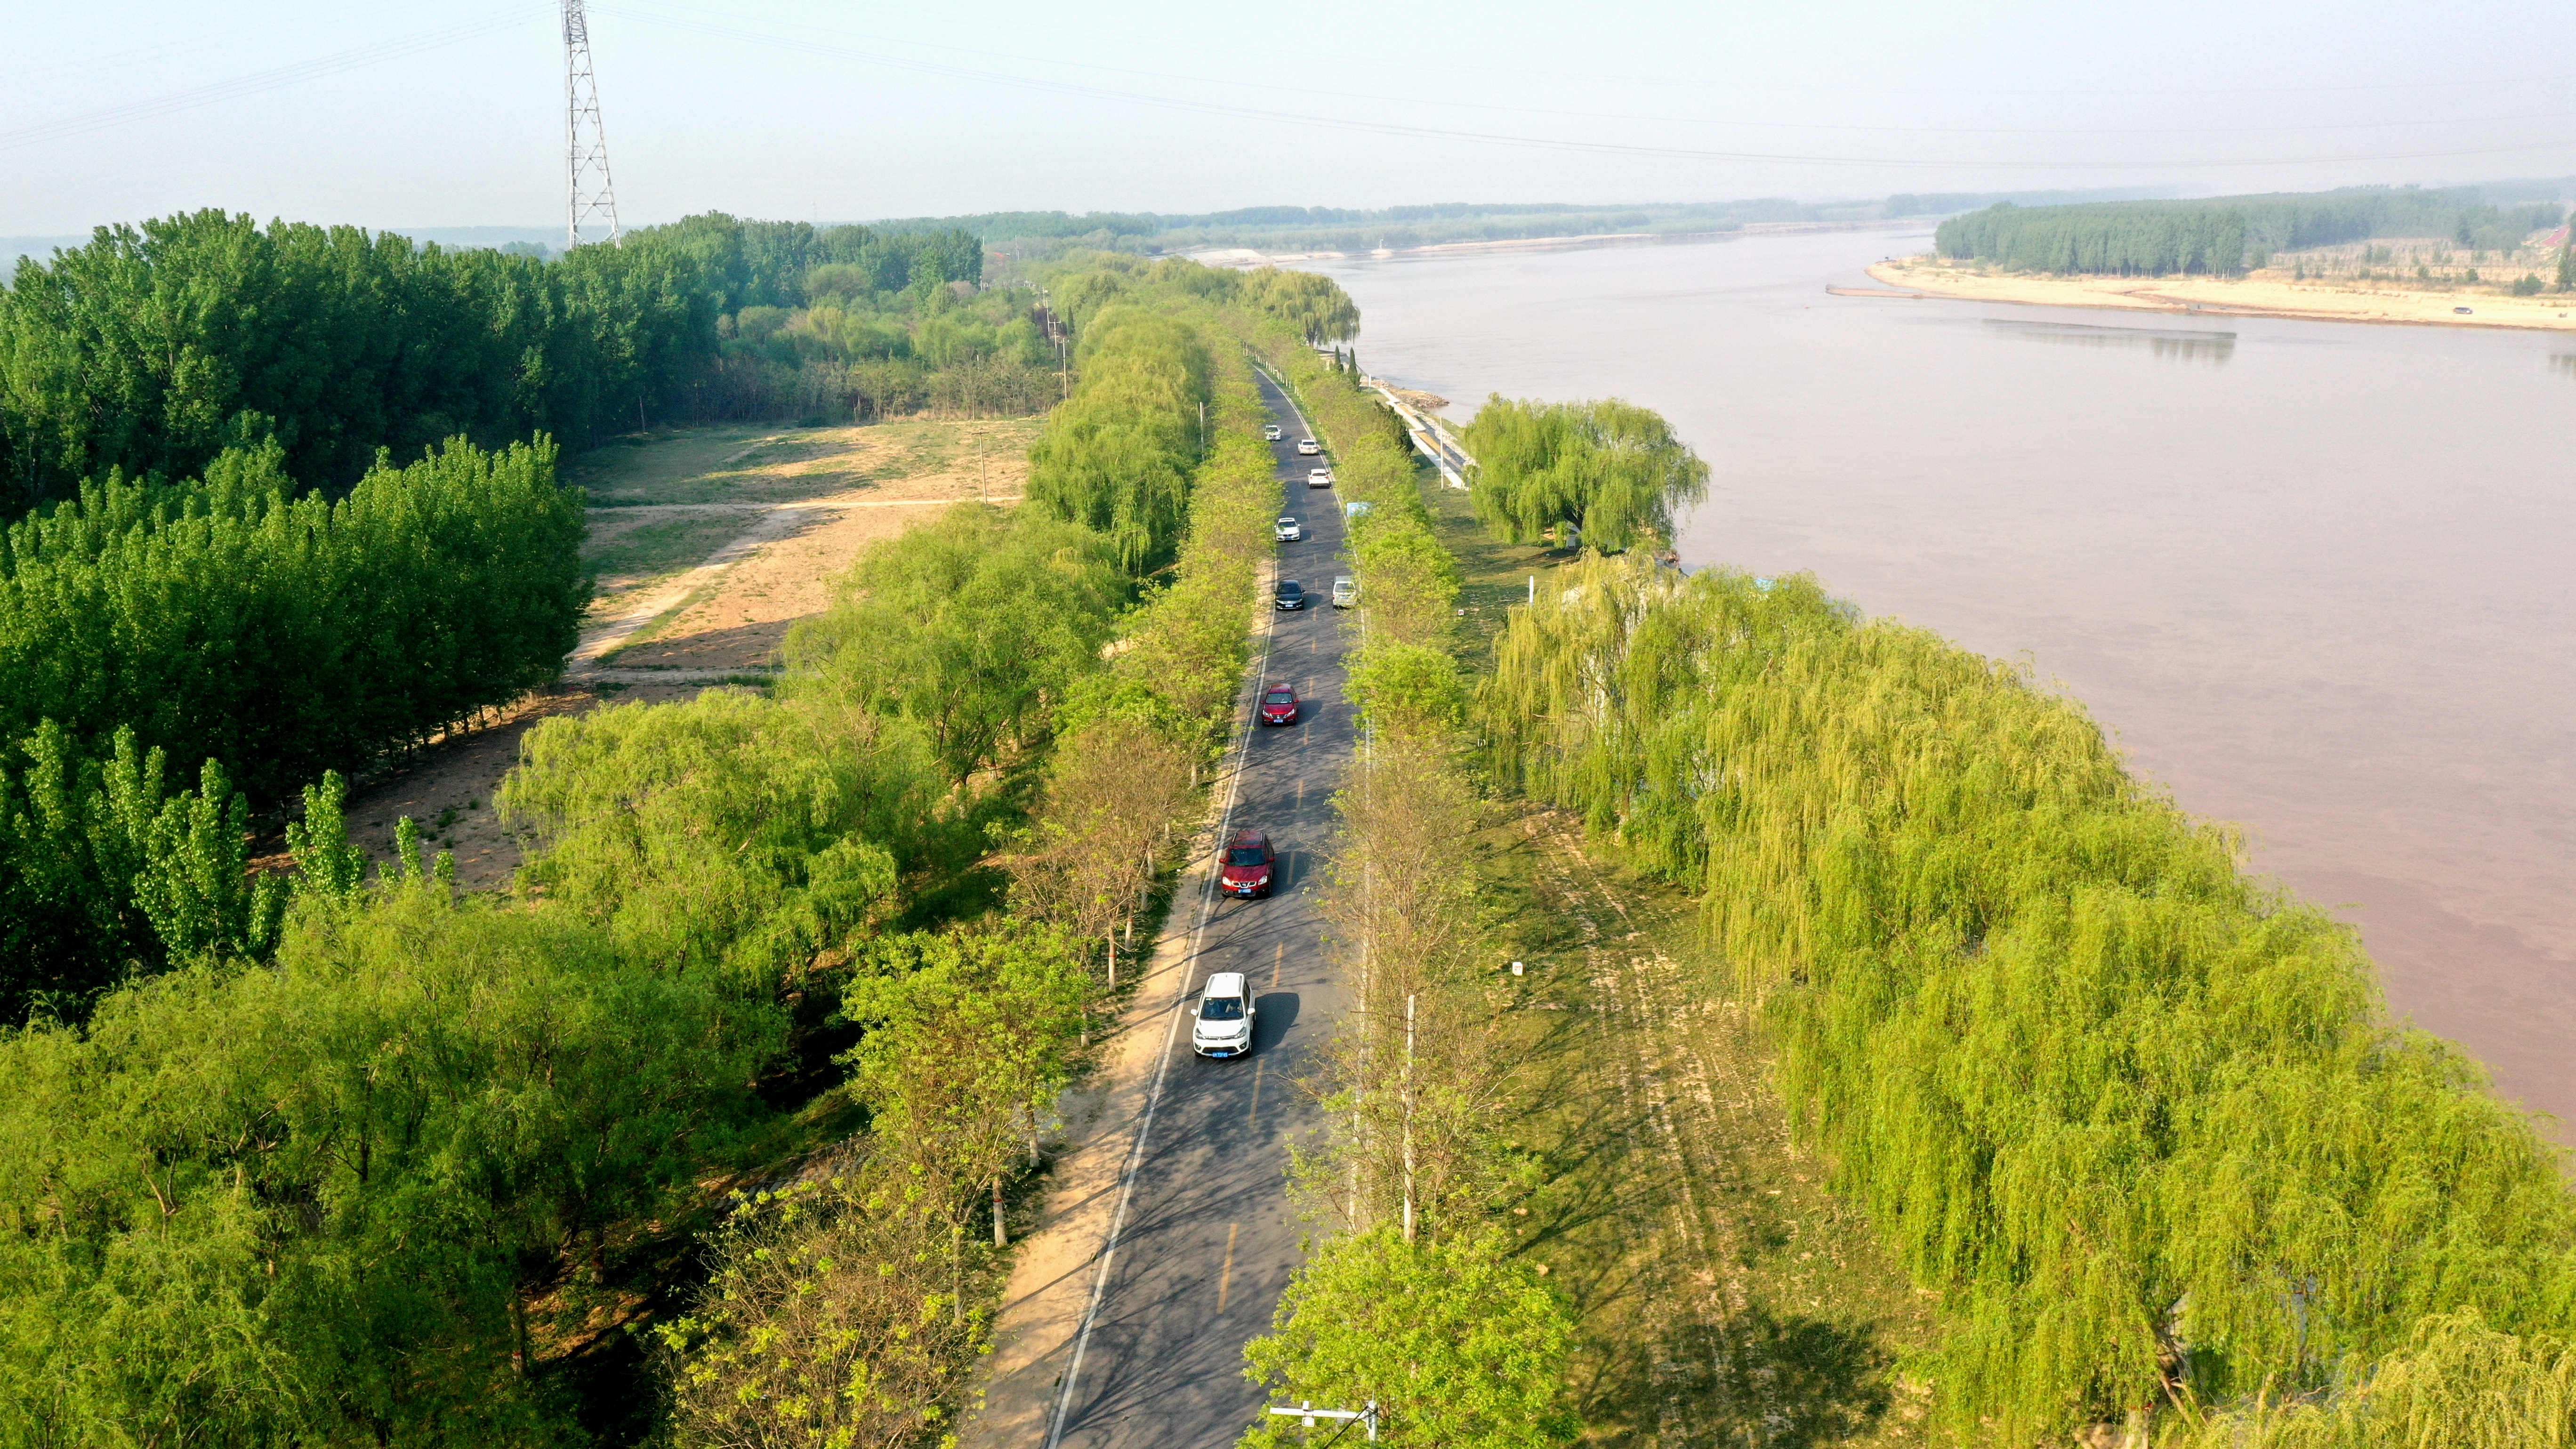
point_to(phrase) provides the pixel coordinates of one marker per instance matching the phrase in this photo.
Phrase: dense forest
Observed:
(253, 637)
(2221, 234)
(448, 1169)
(290, 507)
(2143, 1123)
(152, 349)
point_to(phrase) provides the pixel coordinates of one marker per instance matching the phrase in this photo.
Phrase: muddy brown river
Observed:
(2313, 576)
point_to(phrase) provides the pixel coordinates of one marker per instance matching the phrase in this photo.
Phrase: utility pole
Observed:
(588, 196)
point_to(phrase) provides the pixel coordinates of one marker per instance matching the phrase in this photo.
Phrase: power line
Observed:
(260, 81)
(1607, 148)
(649, 13)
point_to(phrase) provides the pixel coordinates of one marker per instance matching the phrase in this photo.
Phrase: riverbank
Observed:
(1254, 257)
(2233, 297)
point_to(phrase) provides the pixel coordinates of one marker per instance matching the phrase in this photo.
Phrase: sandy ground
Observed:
(2256, 296)
(774, 517)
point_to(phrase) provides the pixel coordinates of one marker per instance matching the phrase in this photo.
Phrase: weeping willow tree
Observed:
(2458, 1385)
(1116, 456)
(2142, 1121)
(1610, 468)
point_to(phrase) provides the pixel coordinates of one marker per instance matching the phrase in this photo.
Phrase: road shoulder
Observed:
(1053, 1271)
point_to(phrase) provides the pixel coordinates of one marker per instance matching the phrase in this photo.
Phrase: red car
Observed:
(1245, 869)
(1279, 705)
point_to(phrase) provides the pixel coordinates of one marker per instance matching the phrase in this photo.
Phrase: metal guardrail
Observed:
(1429, 438)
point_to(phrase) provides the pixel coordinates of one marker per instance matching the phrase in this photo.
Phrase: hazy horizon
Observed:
(389, 120)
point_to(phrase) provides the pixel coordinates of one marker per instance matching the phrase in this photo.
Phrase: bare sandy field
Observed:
(710, 544)
(883, 479)
(2340, 300)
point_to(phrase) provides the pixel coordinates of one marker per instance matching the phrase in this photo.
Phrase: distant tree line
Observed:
(2216, 235)
(153, 348)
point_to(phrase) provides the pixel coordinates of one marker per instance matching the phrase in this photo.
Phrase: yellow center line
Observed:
(1278, 959)
(1226, 1278)
(1255, 1111)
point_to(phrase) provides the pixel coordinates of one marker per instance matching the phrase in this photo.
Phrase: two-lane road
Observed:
(1209, 1240)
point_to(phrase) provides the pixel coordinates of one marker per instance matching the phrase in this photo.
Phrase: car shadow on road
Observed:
(1273, 1013)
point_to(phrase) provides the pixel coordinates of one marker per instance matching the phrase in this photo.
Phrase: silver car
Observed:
(1288, 530)
(1346, 592)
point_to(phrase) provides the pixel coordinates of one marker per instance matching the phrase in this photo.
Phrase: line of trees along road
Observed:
(1418, 1302)
(2155, 238)
(2143, 1122)
(408, 1168)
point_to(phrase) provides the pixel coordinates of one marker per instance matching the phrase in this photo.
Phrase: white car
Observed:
(1346, 592)
(1270, 433)
(1308, 448)
(1289, 530)
(1224, 1025)
(1319, 477)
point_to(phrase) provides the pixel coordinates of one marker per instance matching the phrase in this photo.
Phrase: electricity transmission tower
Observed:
(589, 199)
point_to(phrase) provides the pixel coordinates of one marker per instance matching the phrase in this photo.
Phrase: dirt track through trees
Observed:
(1729, 1300)
(711, 544)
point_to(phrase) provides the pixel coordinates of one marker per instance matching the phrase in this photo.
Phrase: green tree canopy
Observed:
(1612, 469)
(727, 829)
(312, 1203)
(1460, 1345)
(971, 627)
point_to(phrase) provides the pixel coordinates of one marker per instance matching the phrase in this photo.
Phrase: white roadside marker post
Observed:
(1307, 1413)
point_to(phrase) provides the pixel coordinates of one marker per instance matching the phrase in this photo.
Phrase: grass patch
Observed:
(657, 624)
(1494, 575)
(1726, 1296)
(653, 549)
(758, 465)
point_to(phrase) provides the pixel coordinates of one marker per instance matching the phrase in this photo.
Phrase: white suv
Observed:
(1319, 477)
(1308, 448)
(1288, 530)
(1224, 1025)
(1270, 433)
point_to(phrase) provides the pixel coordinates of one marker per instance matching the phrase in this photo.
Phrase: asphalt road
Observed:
(1209, 1240)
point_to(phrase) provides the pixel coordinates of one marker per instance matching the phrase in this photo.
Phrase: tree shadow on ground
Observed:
(1792, 1380)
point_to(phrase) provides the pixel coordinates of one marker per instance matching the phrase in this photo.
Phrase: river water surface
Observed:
(2315, 577)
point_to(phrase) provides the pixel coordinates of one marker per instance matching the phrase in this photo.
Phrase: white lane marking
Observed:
(1154, 1094)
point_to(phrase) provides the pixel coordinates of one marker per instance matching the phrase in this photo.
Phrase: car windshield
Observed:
(1278, 696)
(1221, 1008)
(1244, 855)
(1291, 586)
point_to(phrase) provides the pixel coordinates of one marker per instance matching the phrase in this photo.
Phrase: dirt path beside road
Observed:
(710, 543)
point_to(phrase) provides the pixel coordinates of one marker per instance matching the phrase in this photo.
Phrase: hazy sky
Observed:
(451, 115)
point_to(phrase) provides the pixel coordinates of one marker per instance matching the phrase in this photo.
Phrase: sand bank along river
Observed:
(2315, 576)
